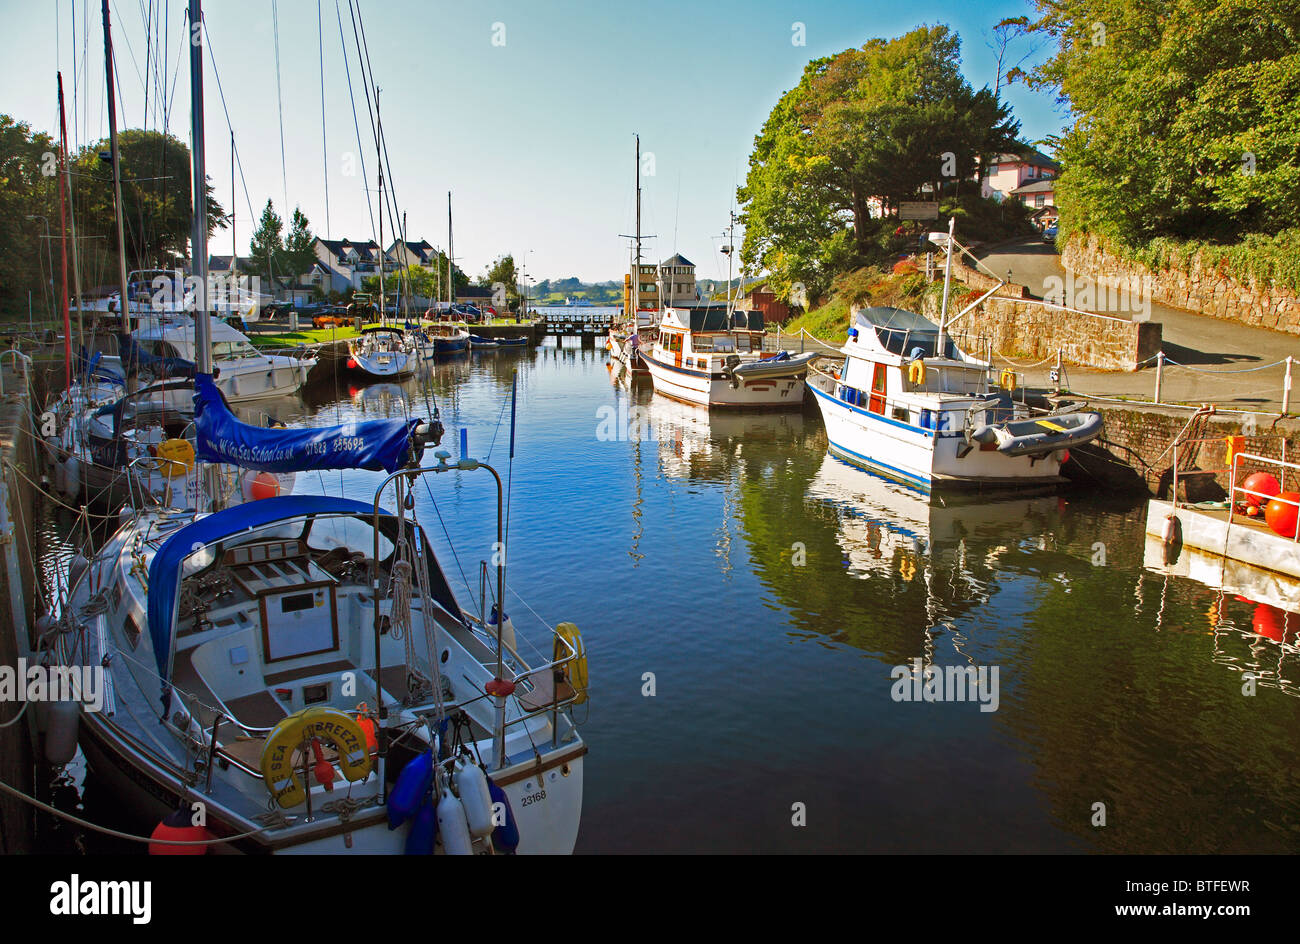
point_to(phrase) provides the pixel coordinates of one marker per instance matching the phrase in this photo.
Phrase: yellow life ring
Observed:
(575, 671)
(175, 457)
(916, 372)
(329, 724)
(1008, 379)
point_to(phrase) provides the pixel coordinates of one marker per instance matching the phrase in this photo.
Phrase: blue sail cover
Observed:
(221, 437)
(164, 569)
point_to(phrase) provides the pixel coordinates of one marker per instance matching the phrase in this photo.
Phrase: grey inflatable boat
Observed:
(1041, 433)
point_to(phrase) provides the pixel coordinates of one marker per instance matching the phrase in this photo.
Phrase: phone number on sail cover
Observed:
(340, 444)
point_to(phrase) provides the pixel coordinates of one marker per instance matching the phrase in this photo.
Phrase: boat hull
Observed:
(921, 457)
(715, 390)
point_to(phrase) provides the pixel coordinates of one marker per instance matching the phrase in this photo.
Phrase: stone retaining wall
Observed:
(1203, 290)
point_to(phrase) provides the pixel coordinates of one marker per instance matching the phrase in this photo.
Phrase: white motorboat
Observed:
(902, 406)
(714, 357)
(382, 350)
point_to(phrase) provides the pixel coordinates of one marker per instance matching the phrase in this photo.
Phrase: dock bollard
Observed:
(1160, 370)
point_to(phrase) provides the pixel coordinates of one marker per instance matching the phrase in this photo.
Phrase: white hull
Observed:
(924, 457)
(385, 366)
(706, 389)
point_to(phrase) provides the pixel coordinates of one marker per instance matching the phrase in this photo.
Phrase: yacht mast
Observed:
(379, 125)
(117, 183)
(636, 268)
(199, 189)
(72, 218)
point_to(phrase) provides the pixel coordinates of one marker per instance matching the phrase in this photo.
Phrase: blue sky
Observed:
(534, 137)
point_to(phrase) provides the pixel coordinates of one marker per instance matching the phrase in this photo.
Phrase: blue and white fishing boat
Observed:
(907, 401)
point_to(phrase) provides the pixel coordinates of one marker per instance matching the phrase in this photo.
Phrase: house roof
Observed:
(222, 263)
(423, 249)
(1038, 186)
(1028, 155)
(368, 251)
(678, 260)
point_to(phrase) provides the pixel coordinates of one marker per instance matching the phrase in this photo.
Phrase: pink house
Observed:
(1012, 172)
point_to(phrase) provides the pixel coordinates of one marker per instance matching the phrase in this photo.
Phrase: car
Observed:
(1049, 233)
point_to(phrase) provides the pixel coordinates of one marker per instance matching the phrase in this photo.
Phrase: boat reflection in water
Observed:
(1254, 618)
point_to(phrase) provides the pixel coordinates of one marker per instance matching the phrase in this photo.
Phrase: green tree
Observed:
(1186, 116)
(25, 191)
(503, 271)
(862, 131)
(299, 247)
(266, 248)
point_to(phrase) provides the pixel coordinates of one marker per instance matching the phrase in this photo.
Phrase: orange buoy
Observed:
(1281, 515)
(263, 485)
(179, 827)
(1260, 487)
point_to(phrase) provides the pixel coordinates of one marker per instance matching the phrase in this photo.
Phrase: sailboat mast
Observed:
(63, 265)
(451, 293)
(636, 268)
(947, 281)
(199, 189)
(72, 216)
(379, 125)
(234, 243)
(117, 176)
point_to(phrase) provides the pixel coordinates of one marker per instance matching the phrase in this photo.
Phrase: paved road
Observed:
(1210, 360)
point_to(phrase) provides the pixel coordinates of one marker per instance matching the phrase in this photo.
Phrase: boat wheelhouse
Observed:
(909, 402)
(712, 356)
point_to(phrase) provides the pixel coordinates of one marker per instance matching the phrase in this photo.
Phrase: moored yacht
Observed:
(382, 350)
(712, 356)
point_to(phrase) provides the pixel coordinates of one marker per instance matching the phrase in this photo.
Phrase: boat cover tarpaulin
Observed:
(164, 569)
(221, 437)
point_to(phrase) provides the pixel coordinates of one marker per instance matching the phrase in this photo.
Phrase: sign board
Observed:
(918, 210)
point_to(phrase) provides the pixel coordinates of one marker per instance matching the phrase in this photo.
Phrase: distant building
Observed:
(421, 254)
(1008, 173)
(347, 263)
(671, 282)
(1039, 196)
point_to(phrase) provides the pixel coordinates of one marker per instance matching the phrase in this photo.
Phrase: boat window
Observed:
(197, 561)
(742, 343)
(702, 342)
(349, 532)
(233, 350)
(723, 346)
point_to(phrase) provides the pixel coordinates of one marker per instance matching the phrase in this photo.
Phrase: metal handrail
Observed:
(21, 358)
(1235, 488)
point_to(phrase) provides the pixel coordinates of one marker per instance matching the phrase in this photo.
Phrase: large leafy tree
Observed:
(861, 132)
(155, 197)
(1187, 116)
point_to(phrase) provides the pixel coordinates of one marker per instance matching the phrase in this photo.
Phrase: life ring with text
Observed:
(301, 729)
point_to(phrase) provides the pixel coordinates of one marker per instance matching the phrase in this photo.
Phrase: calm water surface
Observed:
(770, 591)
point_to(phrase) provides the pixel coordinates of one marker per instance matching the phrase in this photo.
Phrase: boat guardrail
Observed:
(1236, 489)
(20, 359)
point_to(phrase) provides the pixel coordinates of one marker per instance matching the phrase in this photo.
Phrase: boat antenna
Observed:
(117, 190)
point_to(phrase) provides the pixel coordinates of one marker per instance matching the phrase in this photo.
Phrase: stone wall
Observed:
(1025, 328)
(1137, 449)
(1199, 289)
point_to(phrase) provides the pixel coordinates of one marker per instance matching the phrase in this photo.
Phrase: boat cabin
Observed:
(703, 337)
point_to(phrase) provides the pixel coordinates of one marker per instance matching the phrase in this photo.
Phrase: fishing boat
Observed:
(908, 402)
(639, 328)
(483, 344)
(382, 350)
(713, 356)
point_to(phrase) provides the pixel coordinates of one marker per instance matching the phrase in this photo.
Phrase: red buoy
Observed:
(179, 827)
(1260, 487)
(1281, 516)
(352, 363)
(264, 485)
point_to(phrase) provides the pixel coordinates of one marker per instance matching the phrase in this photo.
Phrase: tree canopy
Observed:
(503, 270)
(861, 132)
(1187, 116)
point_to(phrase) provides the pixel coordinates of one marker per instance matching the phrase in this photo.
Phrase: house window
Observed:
(1039, 199)
(993, 168)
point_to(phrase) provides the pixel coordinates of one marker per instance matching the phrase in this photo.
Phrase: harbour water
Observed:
(752, 609)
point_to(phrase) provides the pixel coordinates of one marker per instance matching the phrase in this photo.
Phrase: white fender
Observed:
(453, 830)
(472, 787)
(72, 472)
(76, 569)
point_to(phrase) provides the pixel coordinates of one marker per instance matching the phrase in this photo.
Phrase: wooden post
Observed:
(1160, 369)
(1286, 387)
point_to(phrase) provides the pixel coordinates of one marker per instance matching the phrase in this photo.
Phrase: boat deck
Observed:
(1247, 540)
